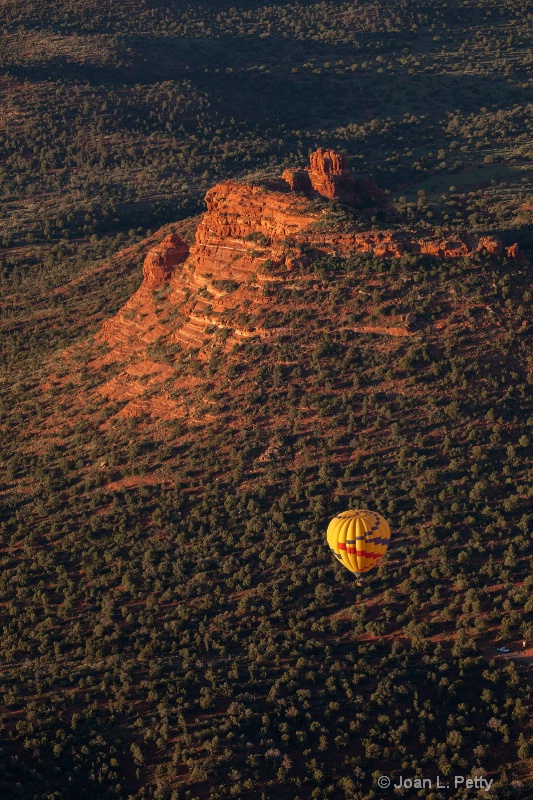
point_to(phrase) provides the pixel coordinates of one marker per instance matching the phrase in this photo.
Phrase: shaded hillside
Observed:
(177, 627)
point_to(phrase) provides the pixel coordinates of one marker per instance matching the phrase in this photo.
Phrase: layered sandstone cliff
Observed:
(193, 297)
(242, 227)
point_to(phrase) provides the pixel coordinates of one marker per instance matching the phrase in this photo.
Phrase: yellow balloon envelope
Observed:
(358, 539)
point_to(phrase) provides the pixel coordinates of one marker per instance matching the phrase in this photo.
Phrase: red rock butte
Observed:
(250, 236)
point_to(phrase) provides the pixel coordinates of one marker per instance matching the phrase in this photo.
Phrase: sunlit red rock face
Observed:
(137, 319)
(241, 227)
(187, 292)
(161, 262)
(328, 175)
(515, 254)
(134, 329)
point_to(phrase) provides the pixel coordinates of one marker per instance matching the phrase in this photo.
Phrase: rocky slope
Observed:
(251, 236)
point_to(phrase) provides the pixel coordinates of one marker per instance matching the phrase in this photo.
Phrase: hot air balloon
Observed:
(358, 539)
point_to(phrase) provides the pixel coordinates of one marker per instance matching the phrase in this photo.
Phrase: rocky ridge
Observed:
(196, 297)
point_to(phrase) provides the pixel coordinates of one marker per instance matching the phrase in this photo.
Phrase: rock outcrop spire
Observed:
(328, 175)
